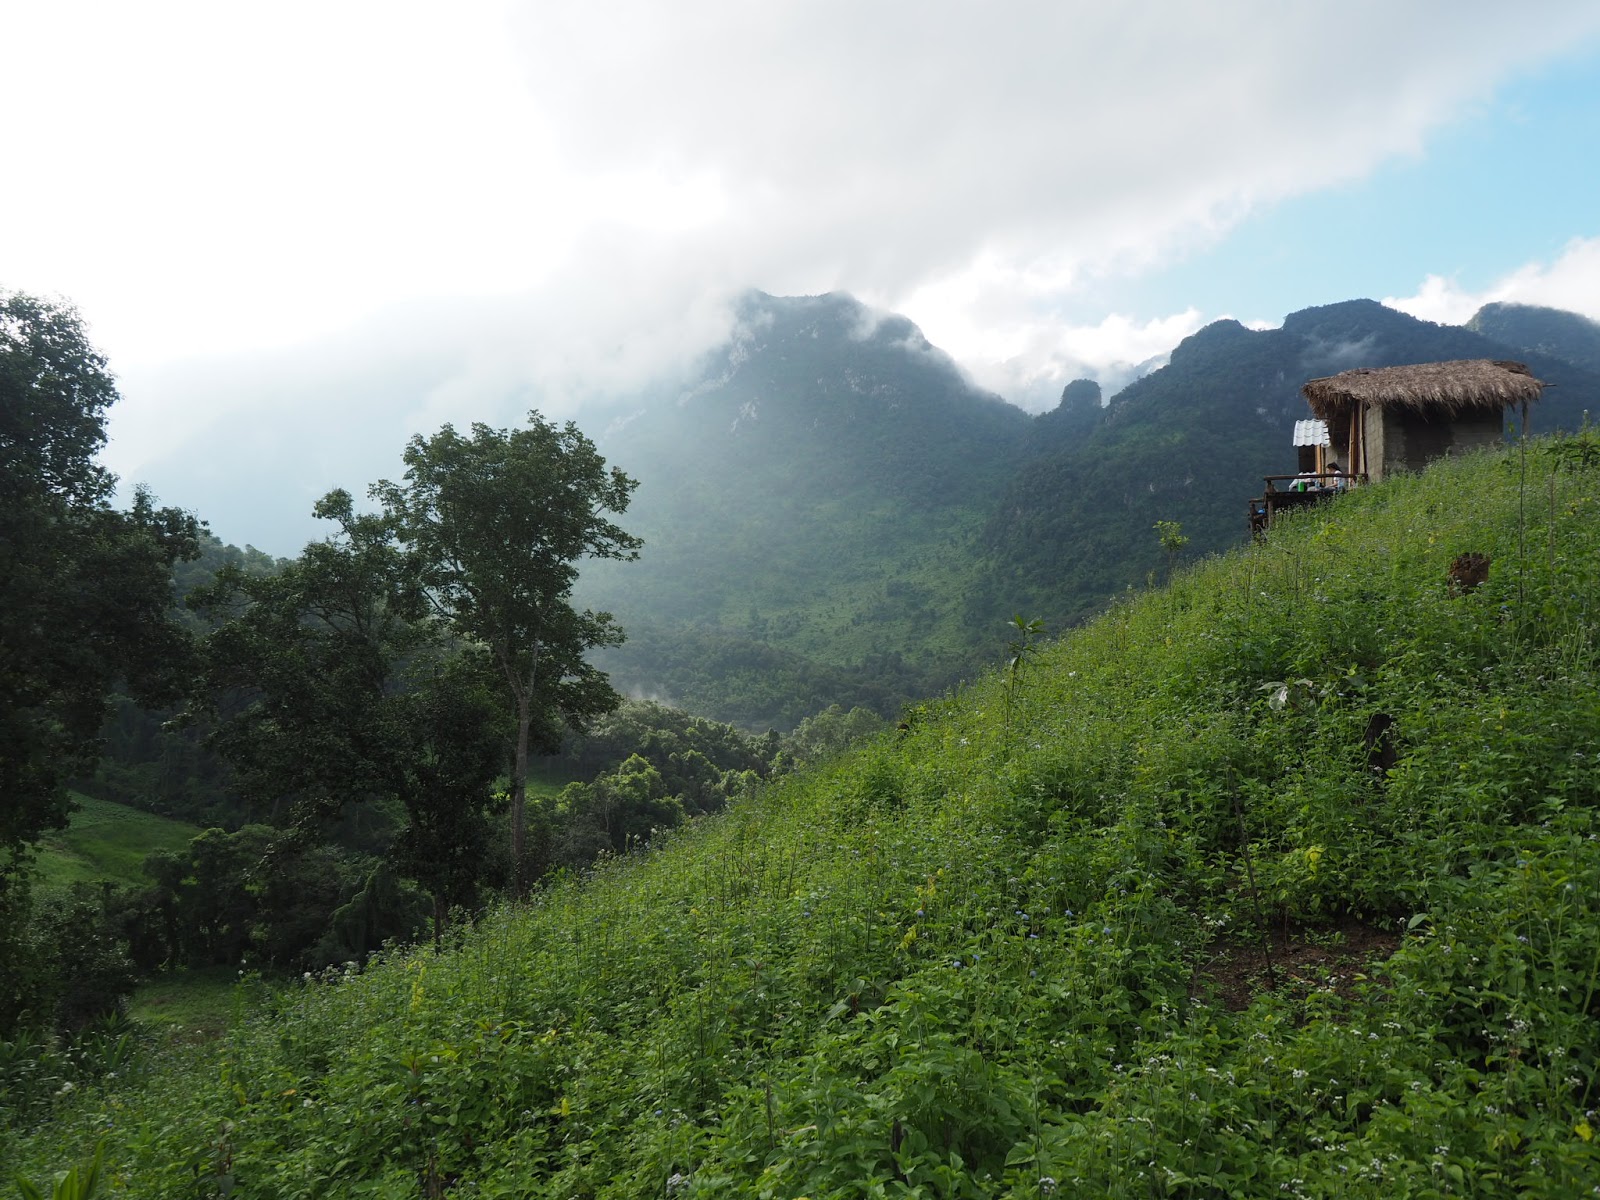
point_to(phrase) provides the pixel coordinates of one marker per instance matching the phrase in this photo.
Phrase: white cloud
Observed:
(1012, 338)
(1438, 299)
(1571, 282)
(895, 144)
(531, 200)
(204, 176)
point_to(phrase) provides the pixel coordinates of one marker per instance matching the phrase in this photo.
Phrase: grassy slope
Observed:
(193, 1004)
(995, 956)
(108, 841)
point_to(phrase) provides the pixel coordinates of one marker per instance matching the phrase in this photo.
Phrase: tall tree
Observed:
(85, 590)
(332, 683)
(445, 845)
(496, 523)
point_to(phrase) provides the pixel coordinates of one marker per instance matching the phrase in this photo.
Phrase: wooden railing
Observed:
(1296, 491)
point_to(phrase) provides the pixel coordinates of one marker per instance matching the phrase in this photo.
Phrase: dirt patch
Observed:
(1298, 962)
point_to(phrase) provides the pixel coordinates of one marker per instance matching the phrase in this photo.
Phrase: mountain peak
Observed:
(1080, 395)
(1207, 341)
(1349, 317)
(831, 314)
(1568, 336)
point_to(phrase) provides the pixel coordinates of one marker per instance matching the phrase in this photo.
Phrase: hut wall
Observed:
(1405, 440)
(1374, 443)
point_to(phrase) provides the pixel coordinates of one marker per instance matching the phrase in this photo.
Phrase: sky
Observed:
(304, 232)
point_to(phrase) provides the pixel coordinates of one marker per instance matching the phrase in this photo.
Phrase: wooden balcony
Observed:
(1285, 492)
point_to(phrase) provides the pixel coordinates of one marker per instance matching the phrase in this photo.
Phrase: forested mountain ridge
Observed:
(1535, 329)
(833, 513)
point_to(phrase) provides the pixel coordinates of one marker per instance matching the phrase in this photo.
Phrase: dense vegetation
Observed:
(86, 603)
(341, 723)
(1284, 879)
(150, 760)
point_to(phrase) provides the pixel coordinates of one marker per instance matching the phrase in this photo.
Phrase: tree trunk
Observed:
(519, 802)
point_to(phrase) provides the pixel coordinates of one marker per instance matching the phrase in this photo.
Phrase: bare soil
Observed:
(1297, 961)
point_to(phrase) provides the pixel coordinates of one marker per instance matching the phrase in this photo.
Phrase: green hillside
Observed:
(108, 841)
(1283, 880)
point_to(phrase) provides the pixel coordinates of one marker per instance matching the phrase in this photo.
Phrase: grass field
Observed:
(547, 780)
(195, 1005)
(107, 841)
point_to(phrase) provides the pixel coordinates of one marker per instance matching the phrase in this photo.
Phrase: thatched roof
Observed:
(1439, 387)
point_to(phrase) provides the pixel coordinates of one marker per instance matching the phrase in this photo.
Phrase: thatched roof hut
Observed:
(1384, 419)
(1446, 388)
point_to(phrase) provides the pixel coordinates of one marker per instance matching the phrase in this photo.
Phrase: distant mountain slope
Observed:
(816, 489)
(1534, 329)
(832, 512)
